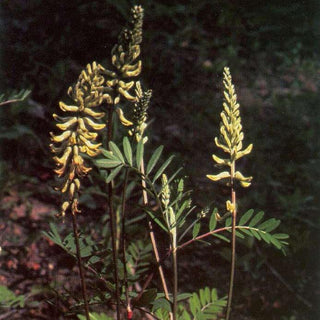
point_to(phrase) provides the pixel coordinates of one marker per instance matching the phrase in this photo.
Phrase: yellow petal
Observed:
(65, 107)
(220, 161)
(217, 177)
(65, 135)
(122, 118)
(94, 125)
(96, 115)
(244, 152)
(127, 95)
(66, 125)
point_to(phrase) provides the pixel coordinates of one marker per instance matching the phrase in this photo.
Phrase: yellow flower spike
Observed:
(244, 152)
(60, 138)
(245, 184)
(71, 190)
(238, 175)
(65, 187)
(66, 125)
(82, 125)
(65, 206)
(122, 118)
(116, 99)
(94, 114)
(126, 85)
(92, 153)
(89, 144)
(229, 206)
(77, 183)
(220, 145)
(122, 57)
(126, 95)
(94, 125)
(66, 108)
(89, 135)
(218, 217)
(133, 73)
(64, 158)
(221, 161)
(217, 177)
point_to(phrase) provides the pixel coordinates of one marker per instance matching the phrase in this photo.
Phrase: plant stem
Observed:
(175, 282)
(112, 219)
(83, 283)
(152, 236)
(123, 242)
(233, 241)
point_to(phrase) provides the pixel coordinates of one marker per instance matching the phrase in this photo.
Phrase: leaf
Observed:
(95, 316)
(113, 174)
(53, 235)
(265, 236)
(213, 221)
(154, 159)
(255, 234)
(146, 299)
(161, 303)
(228, 222)
(221, 237)
(162, 168)
(280, 236)
(195, 230)
(108, 154)
(139, 153)
(116, 151)
(127, 150)
(206, 305)
(9, 299)
(107, 163)
(256, 219)
(246, 217)
(156, 220)
(269, 225)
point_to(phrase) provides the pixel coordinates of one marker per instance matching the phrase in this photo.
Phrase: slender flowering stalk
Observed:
(230, 141)
(77, 139)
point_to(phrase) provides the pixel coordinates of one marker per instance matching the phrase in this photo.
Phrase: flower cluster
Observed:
(231, 135)
(124, 58)
(78, 133)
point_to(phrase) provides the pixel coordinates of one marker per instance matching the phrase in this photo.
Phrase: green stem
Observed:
(175, 283)
(152, 236)
(233, 242)
(123, 242)
(113, 220)
(82, 278)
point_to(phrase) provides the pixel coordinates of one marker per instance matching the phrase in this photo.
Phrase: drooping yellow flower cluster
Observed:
(231, 135)
(124, 58)
(78, 133)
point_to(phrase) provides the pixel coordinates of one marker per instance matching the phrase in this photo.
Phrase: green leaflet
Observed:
(154, 159)
(246, 217)
(162, 168)
(139, 154)
(127, 150)
(116, 151)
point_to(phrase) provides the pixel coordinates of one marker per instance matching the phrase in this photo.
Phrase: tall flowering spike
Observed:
(125, 54)
(140, 112)
(78, 133)
(231, 135)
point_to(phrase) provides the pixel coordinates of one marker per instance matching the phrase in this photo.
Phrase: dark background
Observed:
(272, 49)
